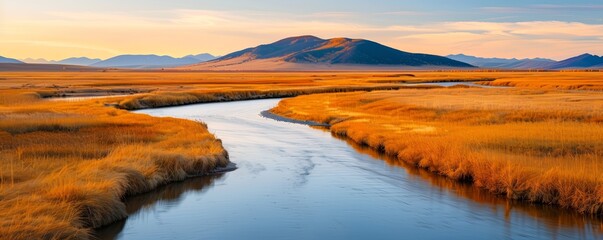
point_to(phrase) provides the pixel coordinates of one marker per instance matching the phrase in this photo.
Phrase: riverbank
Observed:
(531, 145)
(300, 178)
(67, 166)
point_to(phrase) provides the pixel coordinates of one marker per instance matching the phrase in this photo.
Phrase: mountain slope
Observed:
(9, 60)
(203, 57)
(144, 61)
(82, 61)
(309, 52)
(503, 63)
(38, 60)
(44, 67)
(583, 61)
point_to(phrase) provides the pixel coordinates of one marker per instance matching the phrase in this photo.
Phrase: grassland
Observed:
(543, 146)
(65, 166)
(552, 80)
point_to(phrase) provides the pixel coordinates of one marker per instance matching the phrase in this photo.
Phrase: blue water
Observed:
(296, 182)
(450, 84)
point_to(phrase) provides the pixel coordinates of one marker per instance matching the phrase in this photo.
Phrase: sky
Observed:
(60, 29)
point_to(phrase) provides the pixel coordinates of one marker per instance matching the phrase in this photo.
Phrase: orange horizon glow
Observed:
(57, 35)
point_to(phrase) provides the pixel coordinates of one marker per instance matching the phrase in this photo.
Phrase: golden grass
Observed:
(534, 145)
(592, 81)
(66, 166)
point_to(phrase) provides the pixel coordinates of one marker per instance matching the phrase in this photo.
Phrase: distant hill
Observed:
(37, 60)
(145, 61)
(203, 57)
(81, 61)
(583, 61)
(313, 53)
(37, 67)
(504, 63)
(129, 61)
(9, 60)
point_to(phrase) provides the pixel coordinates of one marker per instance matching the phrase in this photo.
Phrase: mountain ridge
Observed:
(309, 51)
(502, 63)
(144, 61)
(583, 61)
(9, 60)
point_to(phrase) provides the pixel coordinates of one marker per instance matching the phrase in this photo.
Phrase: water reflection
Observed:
(552, 217)
(452, 84)
(164, 197)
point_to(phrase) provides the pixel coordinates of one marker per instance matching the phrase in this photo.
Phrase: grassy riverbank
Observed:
(534, 145)
(65, 166)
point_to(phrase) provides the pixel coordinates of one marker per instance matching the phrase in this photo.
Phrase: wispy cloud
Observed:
(185, 31)
(544, 8)
(551, 39)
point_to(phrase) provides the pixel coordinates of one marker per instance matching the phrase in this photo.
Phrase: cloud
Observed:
(183, 31)
(544, 8)
(551, 39)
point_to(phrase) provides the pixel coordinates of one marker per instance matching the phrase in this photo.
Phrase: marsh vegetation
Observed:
(66, 166)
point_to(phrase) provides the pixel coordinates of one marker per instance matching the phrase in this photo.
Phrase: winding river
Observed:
(296, 182)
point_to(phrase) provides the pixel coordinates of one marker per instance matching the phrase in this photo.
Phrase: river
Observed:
(297, 182)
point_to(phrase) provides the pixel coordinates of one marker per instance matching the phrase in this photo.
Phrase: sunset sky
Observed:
(514, 28)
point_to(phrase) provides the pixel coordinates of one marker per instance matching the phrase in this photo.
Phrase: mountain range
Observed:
(579, 62)
(81, 61)
(313, 53)
(127, 61)
(583, 61)
(144, 61)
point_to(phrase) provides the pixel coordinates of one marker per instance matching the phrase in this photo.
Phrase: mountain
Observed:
(583, 61)
(9, 60)
(145, 61)
(82, 61)
(45, 67)
(203, 57)
(313, 53)
(38, 60)
(503, 63)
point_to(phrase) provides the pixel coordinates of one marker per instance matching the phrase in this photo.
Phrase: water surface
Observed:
(296, 182)
(450, 84)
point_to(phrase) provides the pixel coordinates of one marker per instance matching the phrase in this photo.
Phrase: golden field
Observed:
(167, 88)
(543, 146)
(65, 166)
(553, 80)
